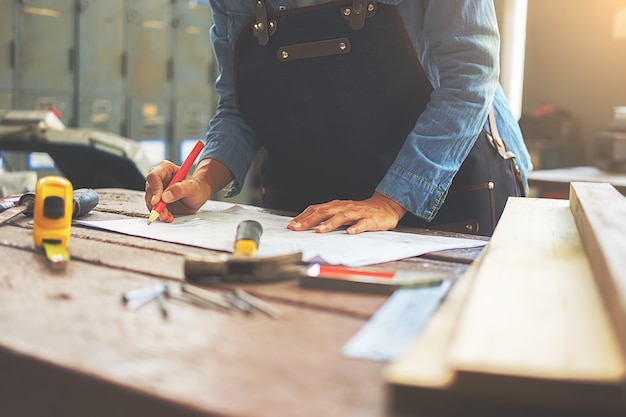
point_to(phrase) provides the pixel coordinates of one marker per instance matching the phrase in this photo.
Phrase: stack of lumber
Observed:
(538, 323)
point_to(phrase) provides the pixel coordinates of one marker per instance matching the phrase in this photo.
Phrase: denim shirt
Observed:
(457, 43)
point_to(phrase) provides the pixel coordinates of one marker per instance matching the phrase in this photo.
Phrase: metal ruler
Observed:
(395, 326)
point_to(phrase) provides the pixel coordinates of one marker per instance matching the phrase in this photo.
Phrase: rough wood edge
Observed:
(599, 230)
(439, 387)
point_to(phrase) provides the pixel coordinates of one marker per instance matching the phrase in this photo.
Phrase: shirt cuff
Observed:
(416, 194)
(236, 160)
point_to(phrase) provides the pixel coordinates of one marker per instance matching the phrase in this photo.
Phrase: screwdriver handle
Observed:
(85, 199)
(247, 237)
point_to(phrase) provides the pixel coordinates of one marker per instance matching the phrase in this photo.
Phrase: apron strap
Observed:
(263, 28)
(356, 14)
(498, 144)
(360, 10)
(494, 138)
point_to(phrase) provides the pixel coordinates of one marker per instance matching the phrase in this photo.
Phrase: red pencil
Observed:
(178, 177)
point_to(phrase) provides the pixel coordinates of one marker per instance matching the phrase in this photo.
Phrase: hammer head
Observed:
(232, 268)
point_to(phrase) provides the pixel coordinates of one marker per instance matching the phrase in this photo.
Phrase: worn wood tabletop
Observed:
(69, 347)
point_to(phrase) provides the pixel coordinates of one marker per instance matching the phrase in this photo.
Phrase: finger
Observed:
(336, 221)
(175, 192)
(157, 177)
(305, 213)
(310, 217)
(363, 225)
(166, 216)
(296, 222)
(148, 196)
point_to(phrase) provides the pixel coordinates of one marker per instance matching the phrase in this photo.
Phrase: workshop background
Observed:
(144, 70)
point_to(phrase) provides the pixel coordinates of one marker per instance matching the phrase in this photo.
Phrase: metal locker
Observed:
(6, 53)
(44, 53)
(8, 160)
(6, 98)
(148, 27)
(148, 69)
(44, 100)
(148, 118)
(194, 68)
(99, 64)
(194, 71)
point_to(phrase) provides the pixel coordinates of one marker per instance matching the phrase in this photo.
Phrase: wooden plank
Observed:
(599, 211)
(532, 331)
(536, 302)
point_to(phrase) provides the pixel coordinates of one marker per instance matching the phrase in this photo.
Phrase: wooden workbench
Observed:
(69, 347)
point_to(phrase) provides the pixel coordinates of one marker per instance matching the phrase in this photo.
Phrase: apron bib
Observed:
(331, 105)
(331, 92)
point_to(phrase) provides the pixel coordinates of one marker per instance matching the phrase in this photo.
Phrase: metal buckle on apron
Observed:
(263, 28)
(356, 14)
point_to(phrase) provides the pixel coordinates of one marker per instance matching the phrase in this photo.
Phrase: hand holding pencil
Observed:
(155, 200)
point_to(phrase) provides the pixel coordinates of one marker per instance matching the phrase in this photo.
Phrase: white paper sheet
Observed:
(215, 225)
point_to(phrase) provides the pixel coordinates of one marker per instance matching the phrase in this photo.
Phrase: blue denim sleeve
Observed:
(229, 138)
(458, 45)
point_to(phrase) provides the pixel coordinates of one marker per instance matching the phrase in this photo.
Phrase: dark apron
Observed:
(331, 93)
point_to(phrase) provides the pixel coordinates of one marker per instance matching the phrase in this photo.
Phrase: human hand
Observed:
(185, 197)
(376, 213)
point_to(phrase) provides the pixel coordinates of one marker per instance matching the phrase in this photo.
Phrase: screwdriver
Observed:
(84, 200)
(247, 238)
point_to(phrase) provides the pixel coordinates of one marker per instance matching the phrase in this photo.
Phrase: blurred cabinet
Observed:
(100, 93)
(148, 69)
(6, 55)
(44, 55)
(140, 68)
(194, 72)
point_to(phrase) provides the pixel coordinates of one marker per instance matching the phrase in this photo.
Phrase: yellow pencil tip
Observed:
(153, 216)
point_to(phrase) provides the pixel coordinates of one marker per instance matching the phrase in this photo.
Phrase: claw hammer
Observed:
(242, 265)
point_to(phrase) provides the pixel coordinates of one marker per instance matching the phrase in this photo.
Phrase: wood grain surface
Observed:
(600, 215)
(69, 347)
(526, 326)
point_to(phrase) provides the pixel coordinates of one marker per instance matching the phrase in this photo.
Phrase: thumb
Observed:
(173, 193)
(183, 189)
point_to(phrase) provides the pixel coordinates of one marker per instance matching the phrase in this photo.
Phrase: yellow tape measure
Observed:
(53, 218)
